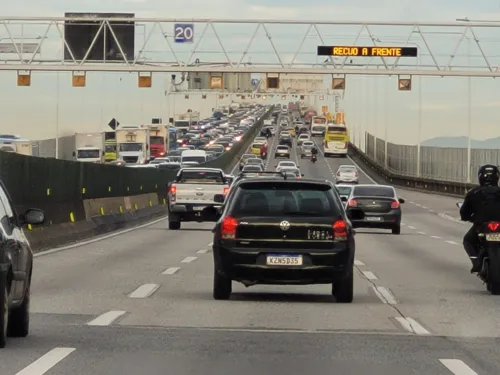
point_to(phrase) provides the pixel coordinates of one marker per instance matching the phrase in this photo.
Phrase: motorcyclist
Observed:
(269, 133)
(481, 205)
(314, 153)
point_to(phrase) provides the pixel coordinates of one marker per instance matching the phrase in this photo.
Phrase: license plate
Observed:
(318, 235)
(373, 218)
(199, 208)
(284, 260)
(493, 237)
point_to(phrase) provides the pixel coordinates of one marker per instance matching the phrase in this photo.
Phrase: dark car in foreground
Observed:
(16, 265)
(375, 206)
(281, 231)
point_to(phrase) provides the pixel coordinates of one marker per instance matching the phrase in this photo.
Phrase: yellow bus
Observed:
(336, 140)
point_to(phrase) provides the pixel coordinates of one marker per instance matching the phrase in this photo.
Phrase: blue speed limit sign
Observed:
(184, 33)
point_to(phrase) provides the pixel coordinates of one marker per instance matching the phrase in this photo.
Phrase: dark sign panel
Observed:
(80, 34)
(367, 51)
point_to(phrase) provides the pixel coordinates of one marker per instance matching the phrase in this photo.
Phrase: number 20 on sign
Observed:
(184, 33)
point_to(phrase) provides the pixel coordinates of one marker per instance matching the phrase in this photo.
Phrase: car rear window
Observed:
(347, 169)
(282, 148)
(257, 145)
(373, 191)
(200, 176)
(344, 190)
(252, 168)
(284, 198)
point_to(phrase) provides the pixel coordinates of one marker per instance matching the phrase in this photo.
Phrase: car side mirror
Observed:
(401, 200)
(343, 199)
(33, 216)
(219, 198)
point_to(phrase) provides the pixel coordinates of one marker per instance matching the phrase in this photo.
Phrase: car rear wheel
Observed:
(223, 286)
(174, 222)
(4, 312)
(396, 229)
(19, 318)
(343, 289)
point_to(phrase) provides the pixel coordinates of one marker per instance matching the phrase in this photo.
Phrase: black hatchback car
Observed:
(375, 206)
(280, 231)
(16, 265)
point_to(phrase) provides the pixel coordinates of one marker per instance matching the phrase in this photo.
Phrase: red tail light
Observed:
(493, 226)
(226, 190)
(395, 204)
(352, 203)
(173, 189)
(228, 228)
(340, 228)
(356, 174)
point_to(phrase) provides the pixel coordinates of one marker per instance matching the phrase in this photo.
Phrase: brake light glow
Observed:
(352, 203)
(340, 229)
(228, 228)
(395, 204)
(226, 190)
(493, 226)
(173, 189)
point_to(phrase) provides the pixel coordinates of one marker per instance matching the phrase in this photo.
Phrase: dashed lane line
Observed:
(452, 242)
(411, 325)
(144, 291)
(370, 275)
(43, 364)
(202, 251)
(384, 295)
(107, 318)
(358, 263)
(457, 367)
(436, 237)
(189, 259)
(171, 270)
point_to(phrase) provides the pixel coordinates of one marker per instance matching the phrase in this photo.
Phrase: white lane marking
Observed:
(422, 233)
(202, 251)
(384, 295)
(46, 362)
(171, 270)
(452, 242)
(436, 237)
(411, 325)
(451, 218)
(144, 291)
(418, 205)
(210, 244)
(189, 259)
(412, 202)
(457, 367)
(370, 275)
(425, 207)
(411, 227)
(358, 263)
(106, 319)
(104, 237)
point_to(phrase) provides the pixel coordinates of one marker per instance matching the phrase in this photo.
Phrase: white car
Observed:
(282, 151)
(302, 138)
(286, 164)
(347, 174)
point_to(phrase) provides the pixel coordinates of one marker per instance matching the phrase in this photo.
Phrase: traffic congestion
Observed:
(292, 261)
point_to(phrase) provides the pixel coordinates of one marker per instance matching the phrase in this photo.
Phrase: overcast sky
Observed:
(374, 103)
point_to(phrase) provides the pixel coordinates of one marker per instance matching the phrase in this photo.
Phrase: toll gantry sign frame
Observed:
(112, 47)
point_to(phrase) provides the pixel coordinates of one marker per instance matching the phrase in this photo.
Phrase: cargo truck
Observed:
(158, 139)
(109, 146)
(89, 147)
(133, 144)
(16, 144)
(183, 121)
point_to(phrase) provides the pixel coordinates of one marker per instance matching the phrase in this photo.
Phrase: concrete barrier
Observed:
(381, 175)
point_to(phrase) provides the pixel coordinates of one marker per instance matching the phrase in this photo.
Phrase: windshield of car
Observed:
(344, 190)
(373, 191)
(279, 199)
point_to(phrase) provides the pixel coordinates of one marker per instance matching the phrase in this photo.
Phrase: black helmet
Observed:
(488, 174)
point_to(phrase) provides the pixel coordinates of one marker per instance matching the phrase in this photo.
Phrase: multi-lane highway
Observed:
(141, 303)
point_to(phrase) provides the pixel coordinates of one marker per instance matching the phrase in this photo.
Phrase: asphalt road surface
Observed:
(141, 303)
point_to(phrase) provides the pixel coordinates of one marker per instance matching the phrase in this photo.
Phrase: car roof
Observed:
(305, 181)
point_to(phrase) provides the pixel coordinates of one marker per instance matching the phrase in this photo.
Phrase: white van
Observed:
(196, 156)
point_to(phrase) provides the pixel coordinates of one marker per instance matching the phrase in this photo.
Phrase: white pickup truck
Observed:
(191, 195)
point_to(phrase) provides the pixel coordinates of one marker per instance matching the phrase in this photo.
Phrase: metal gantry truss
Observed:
(258, 46)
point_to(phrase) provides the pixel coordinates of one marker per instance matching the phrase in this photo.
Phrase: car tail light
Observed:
(395, 204)
(352, 203)
(493, 226)
(228, 228)
(340, 229)
(356, 174)
(172, 191)
(226, 190)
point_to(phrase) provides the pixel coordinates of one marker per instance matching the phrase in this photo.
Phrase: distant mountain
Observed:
(461, 142)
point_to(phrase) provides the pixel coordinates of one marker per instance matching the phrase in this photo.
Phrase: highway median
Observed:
(85, 200)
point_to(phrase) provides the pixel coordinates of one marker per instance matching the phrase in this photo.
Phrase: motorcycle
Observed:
(489, 255)
(263, 156)
(314, 158)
